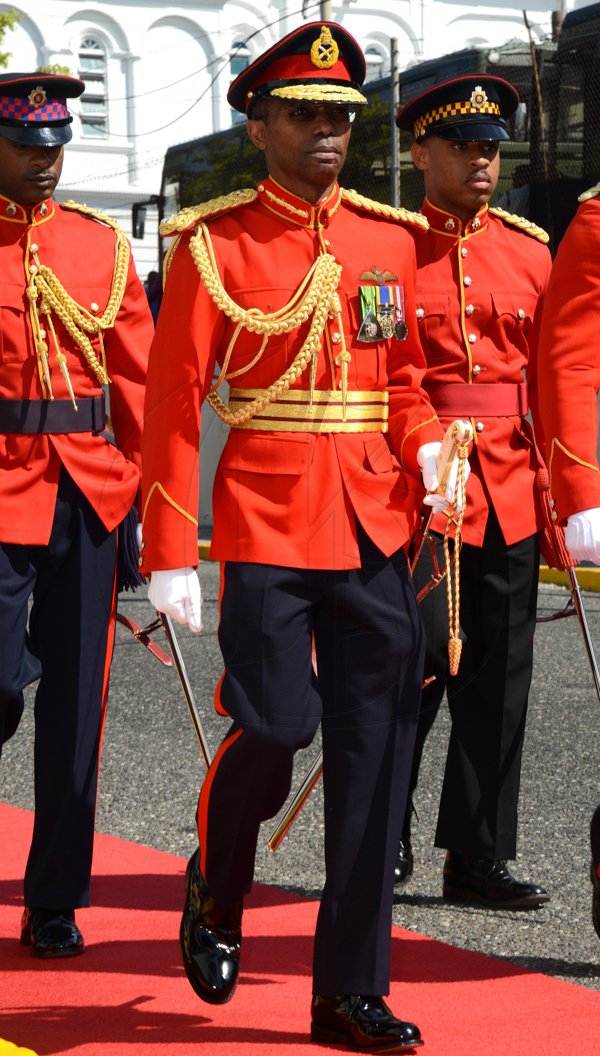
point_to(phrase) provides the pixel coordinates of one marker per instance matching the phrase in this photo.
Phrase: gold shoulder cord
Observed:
(522, 223)
(390, 212)
(316, 295)
(44, 286)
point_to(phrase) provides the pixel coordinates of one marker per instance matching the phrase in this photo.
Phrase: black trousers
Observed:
(488, 697)
(369, 648)
(65, 643)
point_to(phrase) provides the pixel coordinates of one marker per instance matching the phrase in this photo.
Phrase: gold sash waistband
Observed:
(294, 411)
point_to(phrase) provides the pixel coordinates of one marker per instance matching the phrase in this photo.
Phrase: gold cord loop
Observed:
(315, 296)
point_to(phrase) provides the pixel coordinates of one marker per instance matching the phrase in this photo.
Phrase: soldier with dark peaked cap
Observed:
(74, 320)
(481, 279)
(301, 293)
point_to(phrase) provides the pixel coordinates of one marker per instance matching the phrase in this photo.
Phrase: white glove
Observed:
(176, 592)
(582, 535)
(427, 459)
(138, 535)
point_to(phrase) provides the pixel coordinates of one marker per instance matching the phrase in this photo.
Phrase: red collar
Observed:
(444, 223)
(288, 206)
(15, 213)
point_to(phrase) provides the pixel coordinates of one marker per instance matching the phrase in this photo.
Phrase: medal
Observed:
(382, 313)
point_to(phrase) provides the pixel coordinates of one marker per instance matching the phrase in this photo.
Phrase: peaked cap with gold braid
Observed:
(320, 62)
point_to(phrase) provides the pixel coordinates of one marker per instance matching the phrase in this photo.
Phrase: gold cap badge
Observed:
(324, 51)
(478, 97)
(38, 97)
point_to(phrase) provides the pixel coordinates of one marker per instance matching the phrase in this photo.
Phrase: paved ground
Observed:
(152, 768)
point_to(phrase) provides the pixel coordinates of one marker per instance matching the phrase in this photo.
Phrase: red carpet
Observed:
(128, 996)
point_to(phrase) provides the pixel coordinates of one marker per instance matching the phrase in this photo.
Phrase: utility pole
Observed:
(394, 133)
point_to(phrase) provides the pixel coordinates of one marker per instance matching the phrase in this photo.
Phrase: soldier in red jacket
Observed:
(569, 381)
(301, 296)
(481, 278)
(74, 322)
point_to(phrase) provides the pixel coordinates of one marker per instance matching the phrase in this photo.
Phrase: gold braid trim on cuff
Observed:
(45, 287)
(316, 295)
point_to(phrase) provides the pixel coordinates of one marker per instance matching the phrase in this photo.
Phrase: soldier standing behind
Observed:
(569, 381)
(312, 508)
(481, 279)
(74, 319)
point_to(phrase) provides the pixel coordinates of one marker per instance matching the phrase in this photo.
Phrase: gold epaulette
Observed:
(389, 211)
(193, 214)
(592, 193)
(77, 207)
(521, 222)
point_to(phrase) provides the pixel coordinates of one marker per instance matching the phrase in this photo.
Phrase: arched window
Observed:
(240, 57)
(375, 60)
(238, 61)
(94, 101)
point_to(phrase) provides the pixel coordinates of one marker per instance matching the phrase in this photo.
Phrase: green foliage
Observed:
(8, 21)
(56, 69)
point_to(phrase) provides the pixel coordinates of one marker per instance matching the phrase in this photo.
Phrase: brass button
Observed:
(467, 281)
(472, 339)
(464, 251)
(420, 313)
(476, 368)
(480, 427)
(336, 338)
(94, 306)
(33, 247)
(469, 309)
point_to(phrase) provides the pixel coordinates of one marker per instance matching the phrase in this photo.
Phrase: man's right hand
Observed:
(582, 535)
(176, 592)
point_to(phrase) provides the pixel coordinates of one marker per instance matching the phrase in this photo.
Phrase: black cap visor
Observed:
(36, 134)
(468, 131)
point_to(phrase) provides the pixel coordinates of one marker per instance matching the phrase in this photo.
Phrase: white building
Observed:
(157, 73)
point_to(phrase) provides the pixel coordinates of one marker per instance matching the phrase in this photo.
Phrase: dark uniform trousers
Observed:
(369, 650)
(71, 582)
(488, 697)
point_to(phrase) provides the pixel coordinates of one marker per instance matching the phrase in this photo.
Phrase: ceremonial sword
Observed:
(456, 439)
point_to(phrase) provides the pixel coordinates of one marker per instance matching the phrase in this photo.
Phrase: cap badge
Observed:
(450, 224)
(324, 51)
(478, 97)
(38, 97)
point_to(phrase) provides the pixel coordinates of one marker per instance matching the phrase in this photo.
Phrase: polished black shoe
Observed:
(595, 897)
(210, 938)
(488, 882)
(361, 1023)
(404, 862)
(51, 933)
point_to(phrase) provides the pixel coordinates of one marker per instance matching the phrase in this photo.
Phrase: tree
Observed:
(8, 21)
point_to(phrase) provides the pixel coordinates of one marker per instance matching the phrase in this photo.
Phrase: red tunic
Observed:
(287, 498)
(80, 250)
(480, 291)
(570, 365)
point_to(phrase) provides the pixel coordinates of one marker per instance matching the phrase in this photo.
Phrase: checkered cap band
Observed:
(17, 108)
(457, 109)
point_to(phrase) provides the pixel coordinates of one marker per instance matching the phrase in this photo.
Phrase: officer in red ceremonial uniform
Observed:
(481, 279)
(569, 381)
(301, 295)
(74, 320)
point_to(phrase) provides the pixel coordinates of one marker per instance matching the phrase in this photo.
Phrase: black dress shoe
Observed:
(488, 882)
(51, 933)
(595, 897)
(361, 1023)
(404, 862)
(210, 938)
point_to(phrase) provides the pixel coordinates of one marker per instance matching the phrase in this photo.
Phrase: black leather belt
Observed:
(53, 416)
